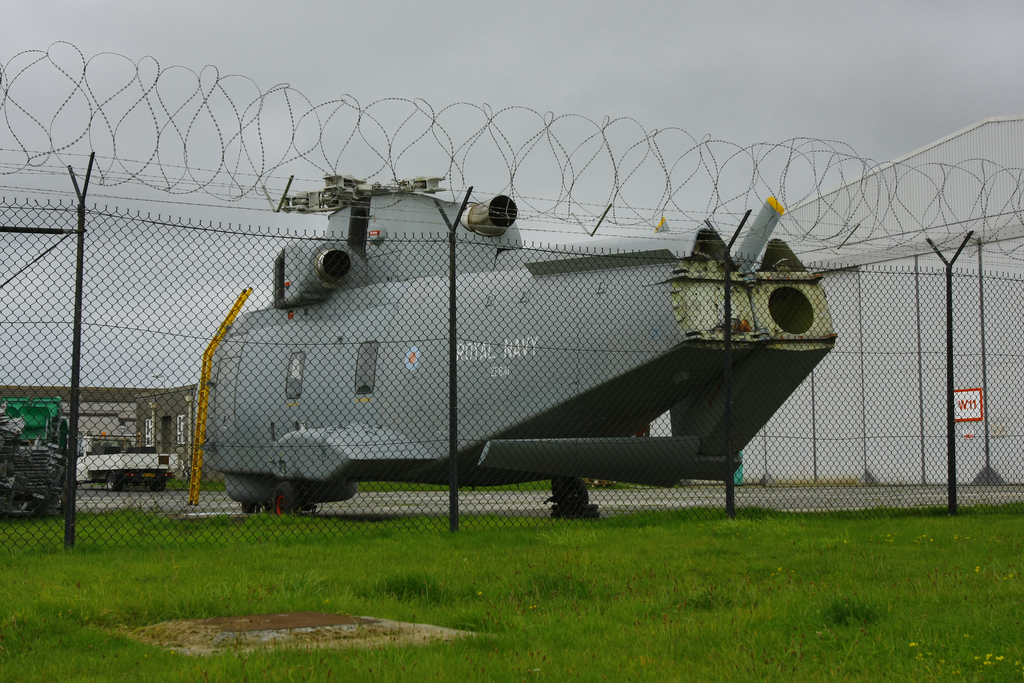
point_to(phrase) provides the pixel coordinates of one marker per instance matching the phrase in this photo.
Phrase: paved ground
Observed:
(610, 501)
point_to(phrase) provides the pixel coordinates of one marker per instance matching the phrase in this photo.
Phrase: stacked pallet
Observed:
(31, 472)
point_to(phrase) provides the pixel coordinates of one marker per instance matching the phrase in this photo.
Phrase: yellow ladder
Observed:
(203, 400)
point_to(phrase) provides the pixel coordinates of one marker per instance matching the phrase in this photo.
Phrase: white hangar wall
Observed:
(874, 410)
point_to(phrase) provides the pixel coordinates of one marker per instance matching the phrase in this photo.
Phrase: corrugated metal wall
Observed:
(971, 180)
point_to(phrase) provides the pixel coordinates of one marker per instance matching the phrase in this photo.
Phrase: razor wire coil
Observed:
(181, 132)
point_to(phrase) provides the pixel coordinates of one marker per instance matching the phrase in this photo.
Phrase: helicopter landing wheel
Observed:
(571, 499)
(286, 499)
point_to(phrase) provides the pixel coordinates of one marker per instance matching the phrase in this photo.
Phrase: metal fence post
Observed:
(453, 379)
(987, 475)
(71, 452)
(730, 484)
(920, 365)
(814, 432)
(866, 477)
(950, 417)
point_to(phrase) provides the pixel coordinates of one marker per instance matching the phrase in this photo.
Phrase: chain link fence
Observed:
(239, 383)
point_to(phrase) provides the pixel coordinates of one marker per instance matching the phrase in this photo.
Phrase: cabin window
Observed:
(293, 382)
(366, 367)
(179, 430)
(149, 431)
(222, 396)
(279, 291)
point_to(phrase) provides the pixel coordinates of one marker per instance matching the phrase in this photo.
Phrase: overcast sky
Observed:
(886, 77)
(882, 77)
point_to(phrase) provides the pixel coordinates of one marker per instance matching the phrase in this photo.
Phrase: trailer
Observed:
(33, 439)
(116, 463)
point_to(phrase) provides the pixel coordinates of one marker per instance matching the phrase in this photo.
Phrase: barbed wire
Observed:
(181, 132)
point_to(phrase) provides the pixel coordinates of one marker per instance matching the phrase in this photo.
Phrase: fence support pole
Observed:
(814, 432)
(987, 476)
(453, 379)
(730, 483)
(950, 417)
(920, 366)
(71, 448)
(867, 478)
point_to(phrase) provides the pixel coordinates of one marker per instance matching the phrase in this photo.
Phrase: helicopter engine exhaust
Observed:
(491, 218)
(305, 274)
(332, 265)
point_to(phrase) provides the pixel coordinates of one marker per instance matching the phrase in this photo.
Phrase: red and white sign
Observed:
(968, 406)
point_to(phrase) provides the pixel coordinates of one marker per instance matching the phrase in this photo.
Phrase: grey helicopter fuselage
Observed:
(562, 356)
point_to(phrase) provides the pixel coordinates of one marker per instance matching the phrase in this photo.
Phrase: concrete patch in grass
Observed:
(294, 630)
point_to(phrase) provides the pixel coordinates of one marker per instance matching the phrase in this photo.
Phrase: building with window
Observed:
(167, 422)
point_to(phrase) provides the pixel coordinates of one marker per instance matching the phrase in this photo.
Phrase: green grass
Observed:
(543, 485)
(177, 484)
(765, 597)
(367, 486)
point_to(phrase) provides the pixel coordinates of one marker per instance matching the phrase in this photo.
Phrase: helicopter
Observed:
(563, 355)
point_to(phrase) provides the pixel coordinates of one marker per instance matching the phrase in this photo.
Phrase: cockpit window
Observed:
(366, 367)
(293, 381)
